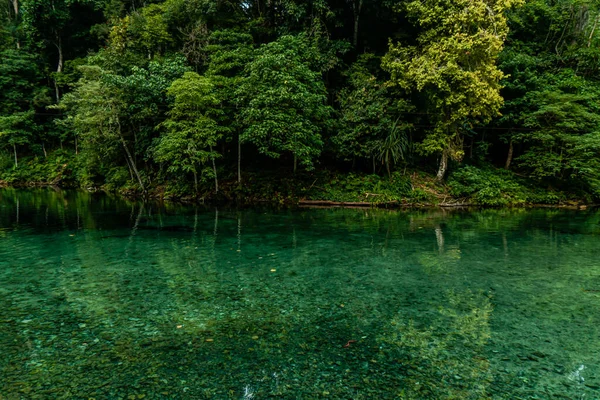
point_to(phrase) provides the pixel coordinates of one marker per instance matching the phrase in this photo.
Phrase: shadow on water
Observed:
(106, 298)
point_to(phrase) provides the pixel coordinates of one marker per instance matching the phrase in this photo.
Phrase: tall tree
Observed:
(284, 102)
(453, 62)
(20, 94)
(370, 125)
(95, 112)
(189, 134)
(16, 130)
(228, 53)
(563, 137)
(57, 28)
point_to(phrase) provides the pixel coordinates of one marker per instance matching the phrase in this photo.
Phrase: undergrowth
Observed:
(498, 187)
(57, 168)
(353, 187)
(487, 186)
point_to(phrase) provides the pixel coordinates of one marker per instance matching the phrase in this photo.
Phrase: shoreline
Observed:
(396, 205)
(303, 203)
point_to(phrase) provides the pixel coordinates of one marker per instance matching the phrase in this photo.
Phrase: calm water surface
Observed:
(106, 299)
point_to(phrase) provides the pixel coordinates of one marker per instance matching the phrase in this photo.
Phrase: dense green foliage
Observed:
(198, 97)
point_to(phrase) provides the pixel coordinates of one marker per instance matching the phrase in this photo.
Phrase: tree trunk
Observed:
(471, 148)
(592, 33)
(132, 164)
(295, 163)
(44, 150)
(443, 166)
(355, 37)
(215, 172)
(16, 160)
(135, 141)
(76, 146)
(510, 155)
(239, 166)
(59, 67)
(129, 168)
(15, 4)
(387, 166)
(356, 10)
(195, 182)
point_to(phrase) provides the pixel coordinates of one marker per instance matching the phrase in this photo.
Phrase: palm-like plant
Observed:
(394, 147)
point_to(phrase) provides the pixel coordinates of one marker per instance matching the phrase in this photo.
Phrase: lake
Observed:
(103, 298)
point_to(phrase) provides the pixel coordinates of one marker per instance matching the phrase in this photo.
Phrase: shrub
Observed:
(487, 187)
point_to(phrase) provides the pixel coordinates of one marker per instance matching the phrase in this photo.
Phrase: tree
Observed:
(228, 53)
(453, 62)
(20, 94)
(10, 24)
(547, 40)
(189, 134)
(370, 124)
(138, 100)
(563, 140)
(16, 130)
(144, 31)
(94, 111)
(526, 76)
(55, 27)
(284, 102)
(144, 92)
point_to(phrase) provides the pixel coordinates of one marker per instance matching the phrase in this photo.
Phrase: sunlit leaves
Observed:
(453, 61)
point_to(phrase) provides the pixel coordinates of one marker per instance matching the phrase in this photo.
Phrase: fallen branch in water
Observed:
(456, 204)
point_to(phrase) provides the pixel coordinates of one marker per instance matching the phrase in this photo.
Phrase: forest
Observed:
(490, 102)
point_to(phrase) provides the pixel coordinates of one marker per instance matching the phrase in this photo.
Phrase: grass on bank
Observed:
(467, 184)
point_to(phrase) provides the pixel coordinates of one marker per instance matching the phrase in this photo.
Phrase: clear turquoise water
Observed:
(106, 299)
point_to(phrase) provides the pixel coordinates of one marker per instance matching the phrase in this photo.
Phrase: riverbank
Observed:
(326, 189)
(465, 185)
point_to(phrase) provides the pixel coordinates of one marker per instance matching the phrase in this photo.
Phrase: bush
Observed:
(57, 168)
(486, 186)
(116, 178)
(370, 188)
(6, 161)
(497, 187)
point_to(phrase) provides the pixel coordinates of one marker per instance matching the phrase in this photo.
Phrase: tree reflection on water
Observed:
(445, 358)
